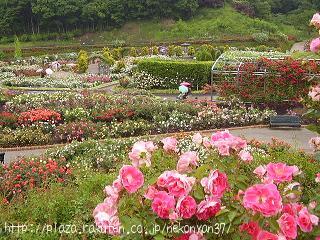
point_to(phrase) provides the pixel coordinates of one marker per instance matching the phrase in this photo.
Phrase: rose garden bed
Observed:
(220, 187)
(41, 119)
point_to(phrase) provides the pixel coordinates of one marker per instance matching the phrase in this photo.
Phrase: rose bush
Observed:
(256, 201)
(67, 117)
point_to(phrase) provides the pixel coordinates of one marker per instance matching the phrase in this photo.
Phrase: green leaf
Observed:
(232, 215)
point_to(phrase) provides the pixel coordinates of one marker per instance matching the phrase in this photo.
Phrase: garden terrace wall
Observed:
(195, 72)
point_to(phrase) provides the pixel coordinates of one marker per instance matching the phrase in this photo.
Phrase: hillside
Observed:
(222, 25)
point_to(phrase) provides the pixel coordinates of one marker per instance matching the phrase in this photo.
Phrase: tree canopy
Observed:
(43, 16)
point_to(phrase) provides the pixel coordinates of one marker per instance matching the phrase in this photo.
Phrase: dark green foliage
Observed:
(197, 73)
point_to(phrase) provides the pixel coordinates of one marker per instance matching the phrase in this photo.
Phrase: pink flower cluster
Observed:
(318, 178)
(315, 43)
(170, 197)
(315, 143)
(225, 142)
(277, 172)
(186, 161)
(106, 213)
(141, 153)
(264, 199)
(170, 144)
(315, 21)
(315, 93)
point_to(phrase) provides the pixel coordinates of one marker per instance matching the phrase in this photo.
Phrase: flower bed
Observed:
(26, 76)
(220, 187)
(59, 118)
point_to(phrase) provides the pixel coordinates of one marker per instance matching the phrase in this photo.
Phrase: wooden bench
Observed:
(285, 121)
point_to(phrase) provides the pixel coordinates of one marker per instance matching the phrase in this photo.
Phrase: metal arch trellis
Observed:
(240, 58)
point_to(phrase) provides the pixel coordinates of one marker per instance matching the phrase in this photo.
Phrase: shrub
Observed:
(118, 114)
(117, 53)
(144, 51)
(133, 52)
(224, 179)
(178, 51)
(39, 115)
(191, 51)
(75, 114)
(285, 80)
(107, 57)
(155, 50)
(124, 82)
(203, 55)
(261, 38)
(75, 131)
(23, 137)
(120, 66)
(7, 119)
(197, 73)
(171, 50)
(22, 175)
(83, 61)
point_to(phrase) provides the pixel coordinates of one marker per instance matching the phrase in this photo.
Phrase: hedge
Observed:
(196, 72)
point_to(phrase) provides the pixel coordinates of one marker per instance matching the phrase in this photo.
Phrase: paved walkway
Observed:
(11, 156)
(298, 138)
(298, 47)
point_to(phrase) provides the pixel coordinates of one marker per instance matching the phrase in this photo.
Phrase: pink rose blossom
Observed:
(208, 208)
(318, 238)
(177, 184)
(315, 96)
(151, 193)
(186, 161)
(170, 144)
(197, 139)
(245, 156)
(132, 179)
(318, 178)
(221, 135)
(260, 171)
(141, 153)
(307, 220)
(263, 198)
(280, 172)
(312, 205)
(206, 142)
(186, 207)
(106, 219)
(315, 45)
(223, 148)
(216, 183)
(163, 204)
(315, 21)
(264, 235)
(224, 142)
(288, 225)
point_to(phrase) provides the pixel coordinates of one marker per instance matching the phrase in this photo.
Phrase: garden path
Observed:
(298, 138)
(93, 68)
(298, 47)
